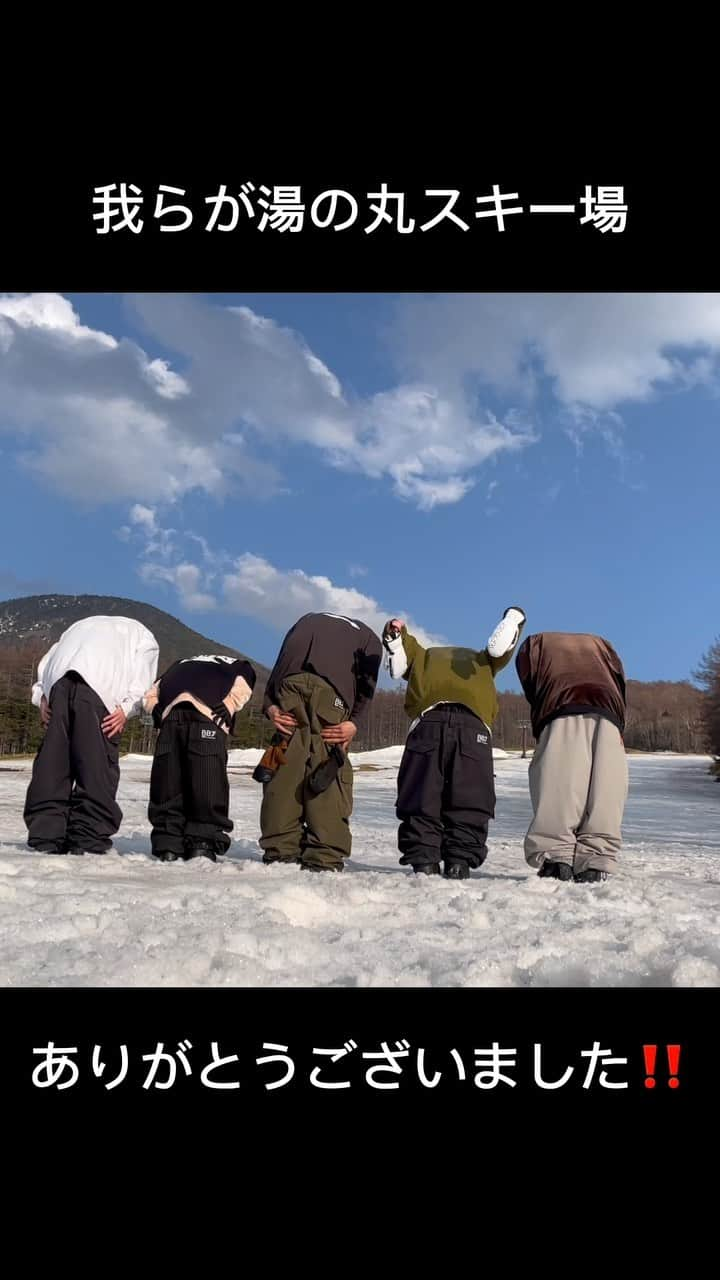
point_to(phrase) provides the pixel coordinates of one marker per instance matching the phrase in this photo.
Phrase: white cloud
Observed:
(143, 516)
(51, 312)
(187, 579)
(248, 584)
(99, 419)
(157, 540)
(167, 384)
(104, 421)
(279, 597)
(600, 350)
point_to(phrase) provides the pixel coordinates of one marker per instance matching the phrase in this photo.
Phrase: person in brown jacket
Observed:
(578, 775)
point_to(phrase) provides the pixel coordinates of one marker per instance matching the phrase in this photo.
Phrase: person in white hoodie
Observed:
(89, 684)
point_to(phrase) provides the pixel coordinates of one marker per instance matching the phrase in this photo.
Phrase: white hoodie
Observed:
(117, 657)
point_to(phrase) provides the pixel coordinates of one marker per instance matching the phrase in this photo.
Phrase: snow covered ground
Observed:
(124, 920)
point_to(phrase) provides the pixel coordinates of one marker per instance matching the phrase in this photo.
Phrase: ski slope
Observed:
(125, 920)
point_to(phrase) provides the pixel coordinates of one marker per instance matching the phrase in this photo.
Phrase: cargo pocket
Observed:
(165, 782)
(112, 751)
(345, 782)
(419, 776)
(474, 783)
(208, 786)
(415, 753)
(207, 740)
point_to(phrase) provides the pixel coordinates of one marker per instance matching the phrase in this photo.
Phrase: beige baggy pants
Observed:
(578, 787)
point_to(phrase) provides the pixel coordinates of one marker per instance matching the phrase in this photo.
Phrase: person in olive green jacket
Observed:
(446, 789)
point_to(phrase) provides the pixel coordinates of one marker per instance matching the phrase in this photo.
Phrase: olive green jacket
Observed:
(452, 674)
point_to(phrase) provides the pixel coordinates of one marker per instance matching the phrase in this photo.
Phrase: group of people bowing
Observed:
(103, 670)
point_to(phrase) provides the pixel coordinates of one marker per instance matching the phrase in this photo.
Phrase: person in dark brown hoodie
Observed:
(317, 693)
(578, 775)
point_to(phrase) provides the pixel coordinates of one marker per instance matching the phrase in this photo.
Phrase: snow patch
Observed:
(125, 920)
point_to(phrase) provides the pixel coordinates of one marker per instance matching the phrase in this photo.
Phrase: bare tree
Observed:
(708, 676)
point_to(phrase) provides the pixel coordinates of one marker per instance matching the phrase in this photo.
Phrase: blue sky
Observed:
(240, 459)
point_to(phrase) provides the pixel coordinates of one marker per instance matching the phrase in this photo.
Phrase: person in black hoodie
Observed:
(194, 705)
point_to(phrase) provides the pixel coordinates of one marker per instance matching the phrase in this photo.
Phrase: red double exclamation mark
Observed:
(650, 1056)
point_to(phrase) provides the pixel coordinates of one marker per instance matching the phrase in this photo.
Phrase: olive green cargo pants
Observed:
(295, 824)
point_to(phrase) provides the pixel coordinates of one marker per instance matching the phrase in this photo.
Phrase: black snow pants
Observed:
(70, 803)
(189, 788)
(446, 789)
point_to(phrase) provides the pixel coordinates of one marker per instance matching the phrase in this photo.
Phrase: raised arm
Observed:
(504, 639)
(401, 649)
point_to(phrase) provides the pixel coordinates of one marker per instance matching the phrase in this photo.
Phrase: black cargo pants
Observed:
(189, 788)
(70, 803)
(446, 789)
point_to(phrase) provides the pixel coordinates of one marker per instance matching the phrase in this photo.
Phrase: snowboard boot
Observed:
(318, 866)
(166, 855)
(271, 860)
(79, 852)
(590, 876)
(556, 870)
(201, 849)
(456, 871)
(327, 772)
(427, 869)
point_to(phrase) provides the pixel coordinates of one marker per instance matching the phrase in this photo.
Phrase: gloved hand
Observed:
(507, 632)
(272, 758)
(327, 772)
(392, 631)
(221, 716)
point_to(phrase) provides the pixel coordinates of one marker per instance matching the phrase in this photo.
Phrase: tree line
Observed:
(662, 715)
(708, 677)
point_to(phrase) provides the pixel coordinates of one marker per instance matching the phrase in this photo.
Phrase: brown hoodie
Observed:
(564, 674)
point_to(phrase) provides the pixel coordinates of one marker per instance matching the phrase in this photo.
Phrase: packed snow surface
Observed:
(126, 920)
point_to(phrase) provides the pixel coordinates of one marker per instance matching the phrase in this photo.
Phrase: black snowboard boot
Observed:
(166, 855)
(590, 876)
(558, 870)
(456, 871)
(427, 869)
(316, 866)
(327, 772)
(201, 849)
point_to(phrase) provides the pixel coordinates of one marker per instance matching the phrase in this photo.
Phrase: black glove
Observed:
(390, 633)
(157, 715)
(221, 716)
(327, 772)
